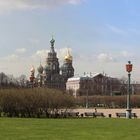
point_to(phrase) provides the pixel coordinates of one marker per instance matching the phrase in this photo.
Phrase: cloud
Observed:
(126, 54)
(17, 65)
(115, 29)
(74, 1)
(11, 57)
(20, 50)
(63, 52)
(42, 54)
(104, 57)
(34, 41)
(10, 5)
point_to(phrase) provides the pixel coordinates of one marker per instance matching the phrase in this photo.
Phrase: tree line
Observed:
(108, 101)
(46, 103)
(9, 81)
(37, 102)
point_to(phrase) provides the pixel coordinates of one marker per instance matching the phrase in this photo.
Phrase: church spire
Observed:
(52, 44)
(52, 60)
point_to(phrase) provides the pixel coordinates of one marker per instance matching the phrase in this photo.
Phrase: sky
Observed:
(102, 35)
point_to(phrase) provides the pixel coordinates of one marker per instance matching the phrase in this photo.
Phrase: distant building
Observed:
(49, 75)
(135, 88)
(77, 83)
(97, 84)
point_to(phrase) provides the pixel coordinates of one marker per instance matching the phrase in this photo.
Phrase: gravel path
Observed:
(107, 111)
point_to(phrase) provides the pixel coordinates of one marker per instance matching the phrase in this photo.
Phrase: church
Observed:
(52, 75)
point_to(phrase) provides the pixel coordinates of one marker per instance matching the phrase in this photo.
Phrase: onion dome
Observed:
(68, 57)
(52, 42)
(40, 69)
(64, 67)
(32, 69)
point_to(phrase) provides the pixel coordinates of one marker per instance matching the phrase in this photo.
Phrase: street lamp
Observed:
(129, 69)
(87, 104)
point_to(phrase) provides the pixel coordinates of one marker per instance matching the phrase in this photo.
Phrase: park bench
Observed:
(73, 114)
(89, 114)
(70, 114)
(94, 114)
(99, 114)
(133, 115)
(118, 115)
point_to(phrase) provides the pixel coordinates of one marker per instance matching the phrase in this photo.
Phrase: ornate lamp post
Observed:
(128, 110)
(86, 88)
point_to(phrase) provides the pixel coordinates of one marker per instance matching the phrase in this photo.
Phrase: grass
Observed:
(69, 129)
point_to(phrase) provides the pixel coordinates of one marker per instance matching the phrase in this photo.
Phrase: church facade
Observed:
(52, 75)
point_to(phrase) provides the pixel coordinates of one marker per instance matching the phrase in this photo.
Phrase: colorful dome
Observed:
(40, 69)
(68, 57)
(64, 67)
(32, 69)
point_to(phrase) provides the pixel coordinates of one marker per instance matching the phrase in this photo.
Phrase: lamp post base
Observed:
(86, 105)
(128, 114)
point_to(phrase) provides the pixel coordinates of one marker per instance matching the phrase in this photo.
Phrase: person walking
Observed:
(95, 110)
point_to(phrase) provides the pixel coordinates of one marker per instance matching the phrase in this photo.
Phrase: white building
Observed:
(77, 83)
(97, 84)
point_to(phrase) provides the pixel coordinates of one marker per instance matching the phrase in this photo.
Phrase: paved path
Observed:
(107, 111)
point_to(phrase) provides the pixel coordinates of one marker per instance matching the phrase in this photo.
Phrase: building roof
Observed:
(85, 77)
(78, 78)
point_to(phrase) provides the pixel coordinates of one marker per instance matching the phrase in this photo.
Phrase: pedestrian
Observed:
(95, 110)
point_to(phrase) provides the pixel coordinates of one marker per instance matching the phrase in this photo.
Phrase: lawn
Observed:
(69, 129)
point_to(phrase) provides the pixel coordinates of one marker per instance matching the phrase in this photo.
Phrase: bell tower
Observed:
(52, 60)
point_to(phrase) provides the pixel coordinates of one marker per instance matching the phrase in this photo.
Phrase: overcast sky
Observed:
(101, 34)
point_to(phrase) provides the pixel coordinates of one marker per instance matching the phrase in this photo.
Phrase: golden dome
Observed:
(68, 57)
(33, 69)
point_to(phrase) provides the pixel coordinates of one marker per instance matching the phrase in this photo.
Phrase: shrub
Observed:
(35, 102)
